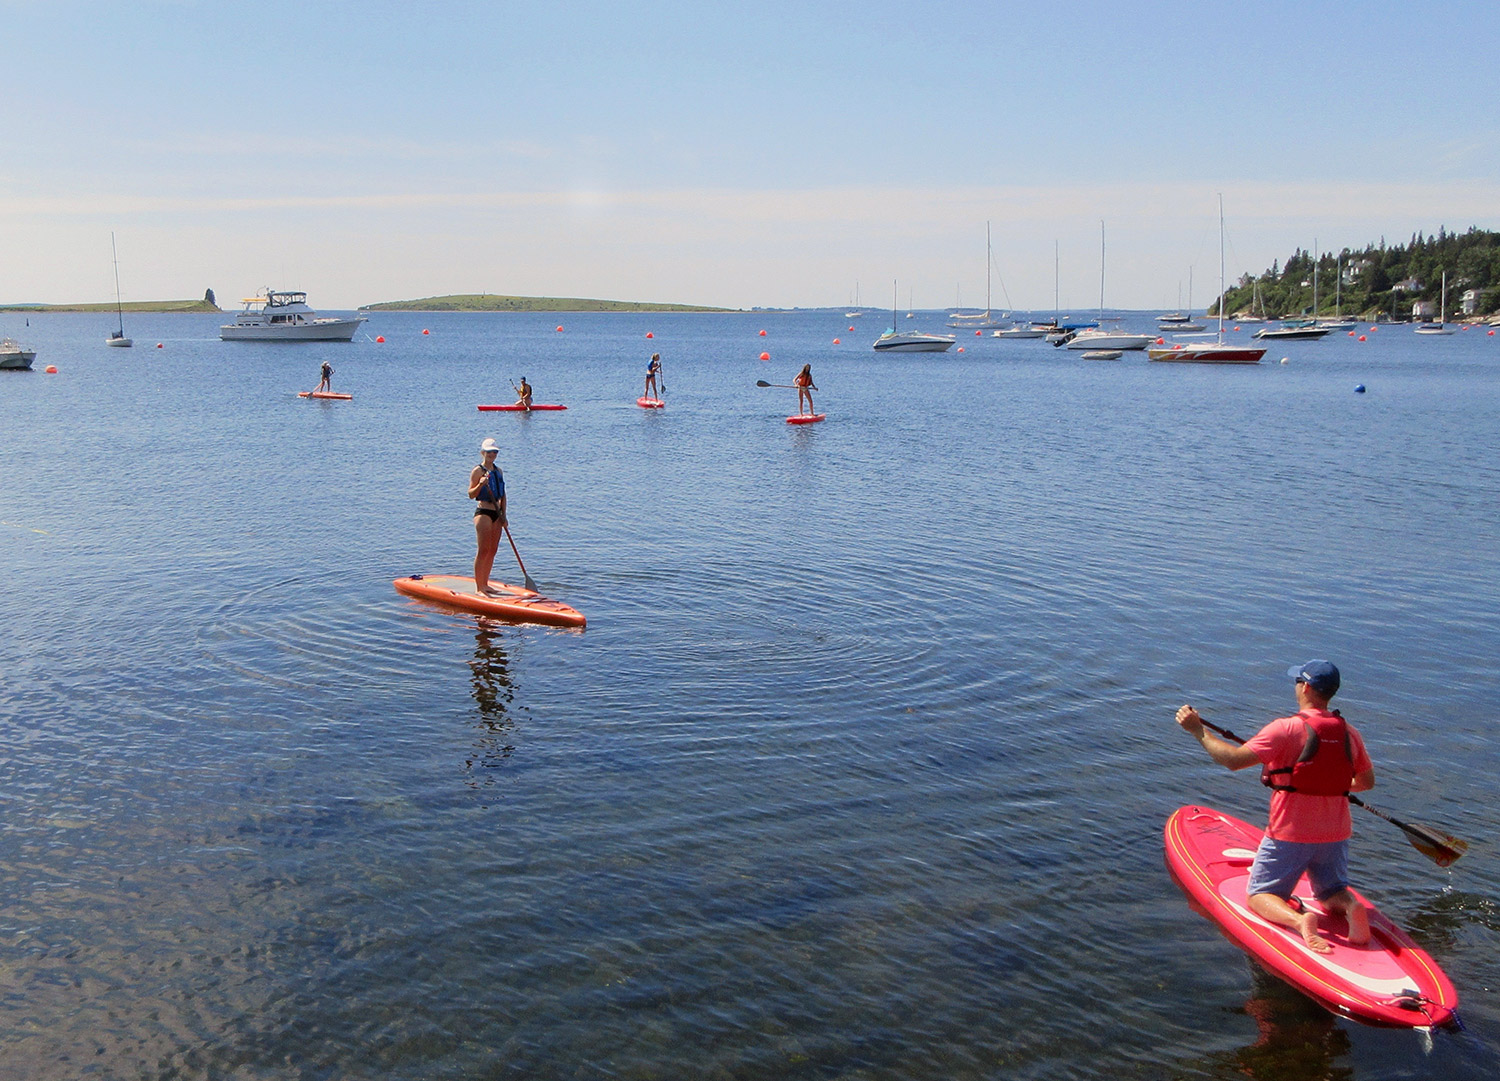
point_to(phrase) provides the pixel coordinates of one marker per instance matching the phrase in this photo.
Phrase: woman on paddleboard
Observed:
(1310, 761)
(523, 394)
(805, 386)
(652, 371)
(327, 383)
(487, 484)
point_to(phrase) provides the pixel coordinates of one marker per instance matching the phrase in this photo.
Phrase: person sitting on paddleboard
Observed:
(327, 383)
(1310, 761)
(523, 394)
(487, 484)
(652, 371)
(805, 387)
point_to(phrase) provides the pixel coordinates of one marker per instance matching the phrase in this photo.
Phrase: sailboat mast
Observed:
(1315, 279)
(987, 270)
(1221, 268)
(1101, 271)
(1056, 283)
(119, 309)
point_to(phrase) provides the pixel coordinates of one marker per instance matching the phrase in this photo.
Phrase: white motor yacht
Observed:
(285, 317)
(13, 357)
(1108, 339)
(913, 342)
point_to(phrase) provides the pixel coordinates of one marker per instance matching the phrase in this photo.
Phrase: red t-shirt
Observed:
(1297, 816)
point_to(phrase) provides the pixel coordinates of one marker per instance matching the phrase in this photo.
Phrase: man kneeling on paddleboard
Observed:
(1311, 761)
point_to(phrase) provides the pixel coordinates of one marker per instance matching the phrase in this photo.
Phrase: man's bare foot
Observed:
(1307, 925)
(1359, 925)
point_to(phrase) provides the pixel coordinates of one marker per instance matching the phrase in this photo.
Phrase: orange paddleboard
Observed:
(514, 603)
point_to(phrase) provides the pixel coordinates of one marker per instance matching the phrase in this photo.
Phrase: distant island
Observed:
(494, 302)
(132, 306)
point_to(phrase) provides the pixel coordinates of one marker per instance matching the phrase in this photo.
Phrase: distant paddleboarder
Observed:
(805, 386)
(487, 485)
(523, 394)
(1311, 761)
(327, 383)
(653, 370)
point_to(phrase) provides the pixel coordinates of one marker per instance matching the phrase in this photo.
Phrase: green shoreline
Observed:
(494, 302)
(132, 306)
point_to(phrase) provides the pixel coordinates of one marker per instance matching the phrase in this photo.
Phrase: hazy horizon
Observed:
(780, 157)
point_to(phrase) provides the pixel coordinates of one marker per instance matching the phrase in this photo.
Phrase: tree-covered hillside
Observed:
(1379, 282)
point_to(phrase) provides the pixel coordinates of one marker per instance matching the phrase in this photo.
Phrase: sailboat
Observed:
(1106, 339)
(1177, 322)
(1301, 330)
(910, 341)
(986, 321)
(117, 337)
(1438, 327)
(856, 313)
(1215, 352)
(1338, 322)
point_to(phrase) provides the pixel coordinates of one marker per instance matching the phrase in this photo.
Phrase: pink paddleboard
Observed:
(1388, 981)
(327, 395)
(514, 408)
(650, 403)
(807, 418)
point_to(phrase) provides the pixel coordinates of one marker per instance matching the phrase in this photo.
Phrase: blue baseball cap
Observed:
(1321, 676)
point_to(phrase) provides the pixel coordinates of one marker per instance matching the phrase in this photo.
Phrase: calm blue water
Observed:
(859, 769)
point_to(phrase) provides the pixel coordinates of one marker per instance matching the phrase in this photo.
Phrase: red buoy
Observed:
(836, 341)
(1351, 334)
(1361, 337)
(559, 328)
(158, 345)
(1161, 341)
(649, 334)
(1491, 333)
(763, 334)
(977, 333)
(51, 369)
(960, 349)
(765, 356)
(851, 328)
(380, 338)
(426, 331)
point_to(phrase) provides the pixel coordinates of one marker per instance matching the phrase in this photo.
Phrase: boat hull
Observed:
(1109, 341)
(320, 330)
(15, 359)
(1207, 354)
(1292, 334)
(913, 343)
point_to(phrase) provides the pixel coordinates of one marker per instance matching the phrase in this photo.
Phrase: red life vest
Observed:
(1326, 765)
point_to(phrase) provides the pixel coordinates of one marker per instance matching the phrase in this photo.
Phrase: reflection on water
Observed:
(1296, 1038)
(1437, 923)
(494, 695)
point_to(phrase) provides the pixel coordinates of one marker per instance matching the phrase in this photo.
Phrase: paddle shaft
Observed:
(526, 578)
(1436, 846)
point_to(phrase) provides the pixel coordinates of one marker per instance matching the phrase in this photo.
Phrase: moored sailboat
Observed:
(1215, 352)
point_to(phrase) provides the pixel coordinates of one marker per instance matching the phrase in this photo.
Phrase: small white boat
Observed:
(285, 317)
(1293, 332)
(1108, 339)
(1103, 354)
(13, 358)
(910, 341)
(1022, 332)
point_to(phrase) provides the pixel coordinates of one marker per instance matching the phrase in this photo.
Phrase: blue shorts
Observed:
(1278, 865)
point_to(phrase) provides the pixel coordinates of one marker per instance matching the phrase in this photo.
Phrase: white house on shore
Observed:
(1423, 309)
(1469, 302)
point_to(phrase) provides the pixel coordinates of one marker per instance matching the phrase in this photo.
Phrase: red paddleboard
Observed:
(326, 394)
(807, 418)
(650, 403)
(513, 408)
(1388, 981)
(515, 603)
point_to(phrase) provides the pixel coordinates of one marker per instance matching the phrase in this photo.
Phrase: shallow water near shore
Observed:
(859, 769)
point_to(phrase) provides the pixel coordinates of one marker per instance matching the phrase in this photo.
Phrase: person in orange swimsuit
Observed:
(805, 386)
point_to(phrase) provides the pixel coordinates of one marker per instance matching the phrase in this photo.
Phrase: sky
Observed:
(769, 154)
